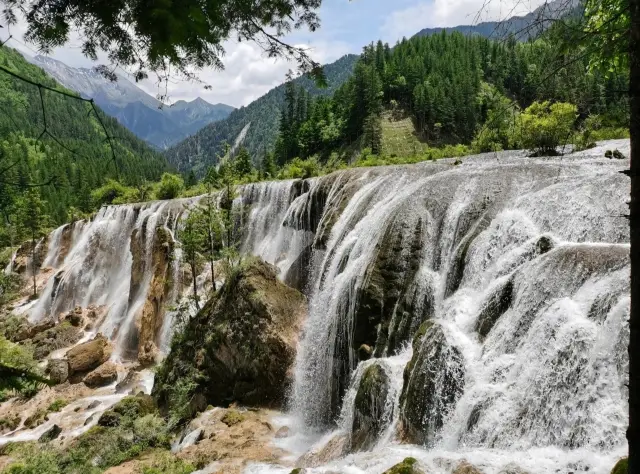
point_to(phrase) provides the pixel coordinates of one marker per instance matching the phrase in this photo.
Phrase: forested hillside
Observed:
(201, 150)
(456, 89)
(58, 169)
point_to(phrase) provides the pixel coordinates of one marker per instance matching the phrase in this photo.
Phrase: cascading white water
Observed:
(520, 264)
(551, 373)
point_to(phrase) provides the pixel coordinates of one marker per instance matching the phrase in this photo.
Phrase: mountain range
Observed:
(522, 27)
(159, 125)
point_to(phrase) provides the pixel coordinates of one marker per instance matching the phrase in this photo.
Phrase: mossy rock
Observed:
(369, 406)
(621, 467)
(433, 383)
(232, 418)
(127, 410)
(238, 348)
(407, 466)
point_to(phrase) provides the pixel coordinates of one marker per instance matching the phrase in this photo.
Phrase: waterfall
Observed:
(521, 268)
(492, 298)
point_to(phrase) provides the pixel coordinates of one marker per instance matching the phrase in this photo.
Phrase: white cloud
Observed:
(248, 72)
(443, 13)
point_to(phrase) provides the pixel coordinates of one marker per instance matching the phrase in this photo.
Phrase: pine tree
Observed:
(31, 219)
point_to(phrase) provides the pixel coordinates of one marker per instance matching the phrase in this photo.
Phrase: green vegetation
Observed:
(57, 405)
(411, 102)
(621, 467)
(19, 374)
(139, 429)
(67, 162)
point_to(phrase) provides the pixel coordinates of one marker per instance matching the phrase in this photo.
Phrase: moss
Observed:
(621, 466)
(297, 470)
(57, 405)
(407, 466)
(232, 417)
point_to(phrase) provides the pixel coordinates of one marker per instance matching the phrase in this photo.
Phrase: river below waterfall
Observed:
(490, 299)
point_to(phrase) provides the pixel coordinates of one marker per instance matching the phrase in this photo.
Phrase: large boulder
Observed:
(240, 346)
(106, 374)
(89, 355)
(369, 408)
(58, 370)
(433, 383)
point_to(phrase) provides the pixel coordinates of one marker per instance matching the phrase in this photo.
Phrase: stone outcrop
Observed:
(58, 337)
(149, 319)
(241, 345)
(89, 355)
(106, 374)
(369, 407)
(58, 370)
(433, 383)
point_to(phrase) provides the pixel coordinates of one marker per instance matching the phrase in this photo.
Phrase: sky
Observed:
(346, 26)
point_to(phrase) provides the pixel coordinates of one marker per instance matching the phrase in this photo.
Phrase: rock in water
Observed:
(407, 466)
(369, 406)
(240, 346)
(88, 356)
(433, 383)
(51, 434)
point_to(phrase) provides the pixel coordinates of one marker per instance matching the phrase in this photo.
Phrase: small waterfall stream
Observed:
(502, 284)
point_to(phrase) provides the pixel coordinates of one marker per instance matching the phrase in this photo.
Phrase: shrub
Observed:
(542, 127)
(57, 405)
(166, 464)
(301, 169)
(170, 186)
(108, 193)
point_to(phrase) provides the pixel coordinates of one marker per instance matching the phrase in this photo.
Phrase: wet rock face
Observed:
(495, 306)
(433, 383)
(369, 407)
(89, 355)
(149, 319)
(241, 345)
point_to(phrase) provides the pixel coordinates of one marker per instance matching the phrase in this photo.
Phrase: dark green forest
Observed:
(62, 166)
(456, 89)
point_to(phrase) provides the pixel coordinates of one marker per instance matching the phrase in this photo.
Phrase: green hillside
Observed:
(73, 157)
(201, 150)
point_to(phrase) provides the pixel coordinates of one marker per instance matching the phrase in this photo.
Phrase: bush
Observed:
(170, 186)
(108, 193)
(543, 127)
(300, 169)
(57, 405)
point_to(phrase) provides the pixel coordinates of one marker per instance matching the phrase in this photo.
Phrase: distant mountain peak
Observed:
(141, 113)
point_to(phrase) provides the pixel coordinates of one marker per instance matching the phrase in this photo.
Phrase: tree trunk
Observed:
(633, 432)
(33, 263)
(195, 284)
(213, 275)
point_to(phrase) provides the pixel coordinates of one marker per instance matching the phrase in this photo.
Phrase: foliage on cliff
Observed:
(238, 348)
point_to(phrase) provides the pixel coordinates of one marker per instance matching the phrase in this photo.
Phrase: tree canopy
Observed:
(161, 37)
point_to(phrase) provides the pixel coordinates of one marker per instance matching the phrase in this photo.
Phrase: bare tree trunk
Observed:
(633, 432)
(33, 263)
(195, 284)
